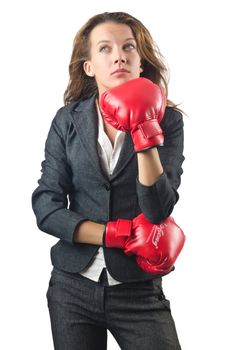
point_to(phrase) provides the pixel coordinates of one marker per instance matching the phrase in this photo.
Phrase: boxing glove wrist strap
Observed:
(117, 233)
(147, 134)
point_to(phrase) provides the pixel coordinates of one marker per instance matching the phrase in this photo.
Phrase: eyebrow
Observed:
(108, 41)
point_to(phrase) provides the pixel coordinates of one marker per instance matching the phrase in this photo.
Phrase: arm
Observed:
(150, 167)
(49, 199)
(138, 106)
(157, 198)
(89, 232)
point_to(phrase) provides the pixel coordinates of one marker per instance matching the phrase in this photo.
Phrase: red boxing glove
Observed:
(137, 106)
(156, 246)
(153, 268)
(117, 233)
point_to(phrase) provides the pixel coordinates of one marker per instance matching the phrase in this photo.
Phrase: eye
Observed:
(104, 48)
(129, 46)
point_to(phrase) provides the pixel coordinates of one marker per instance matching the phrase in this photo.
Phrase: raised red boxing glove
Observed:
(156, 246)
(137, 106)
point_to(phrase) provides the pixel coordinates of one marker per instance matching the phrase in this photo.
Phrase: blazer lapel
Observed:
(85, 120)
(127, 152)
(86, 124)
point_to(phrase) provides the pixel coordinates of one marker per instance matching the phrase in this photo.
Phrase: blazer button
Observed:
(107, 187)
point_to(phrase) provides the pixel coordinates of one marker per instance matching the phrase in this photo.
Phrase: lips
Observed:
(120, 70)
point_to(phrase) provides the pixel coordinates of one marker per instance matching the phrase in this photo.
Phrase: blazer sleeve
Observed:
(157, 201)
(49, 199)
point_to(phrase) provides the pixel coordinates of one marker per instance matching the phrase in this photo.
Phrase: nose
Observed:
(120, 57)
(121, 60)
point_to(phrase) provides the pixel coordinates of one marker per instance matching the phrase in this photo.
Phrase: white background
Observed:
(36, 44)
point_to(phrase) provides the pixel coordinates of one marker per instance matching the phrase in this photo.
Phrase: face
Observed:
(114, 58)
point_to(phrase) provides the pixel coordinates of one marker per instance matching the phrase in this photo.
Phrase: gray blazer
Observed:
(74, 188)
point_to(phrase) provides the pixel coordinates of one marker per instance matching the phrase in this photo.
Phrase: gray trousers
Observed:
(81, 310)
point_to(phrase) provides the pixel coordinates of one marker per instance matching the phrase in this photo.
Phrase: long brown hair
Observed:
(81, 86)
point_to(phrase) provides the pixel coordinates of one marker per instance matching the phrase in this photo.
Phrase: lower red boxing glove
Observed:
(124, 233)
(117, 233)
(156, 246)
(155, 269)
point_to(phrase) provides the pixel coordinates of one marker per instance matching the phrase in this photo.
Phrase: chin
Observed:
(121, 80)
(116, 82)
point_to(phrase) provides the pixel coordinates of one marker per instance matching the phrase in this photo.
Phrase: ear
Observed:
(88, 68)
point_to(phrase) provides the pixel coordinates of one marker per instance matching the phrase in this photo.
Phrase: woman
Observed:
(112, 168)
